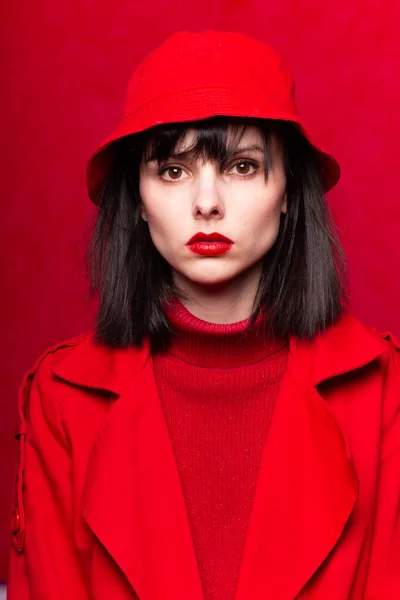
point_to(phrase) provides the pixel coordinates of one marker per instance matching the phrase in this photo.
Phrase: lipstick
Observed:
(211, 244)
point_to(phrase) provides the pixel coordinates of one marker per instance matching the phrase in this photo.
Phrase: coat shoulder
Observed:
(391, 395)
(50, 357)
(386, 339)
(391, 343)
(40, 374)
(350, 323)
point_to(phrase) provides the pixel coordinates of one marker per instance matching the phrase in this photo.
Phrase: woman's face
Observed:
(192, 196)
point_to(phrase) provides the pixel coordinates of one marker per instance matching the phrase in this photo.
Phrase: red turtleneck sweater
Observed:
(218, 394)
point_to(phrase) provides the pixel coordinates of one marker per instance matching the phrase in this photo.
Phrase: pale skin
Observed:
(191, 197)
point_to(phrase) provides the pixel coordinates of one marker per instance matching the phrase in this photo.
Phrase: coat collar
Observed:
(345, 346)
(298, 514)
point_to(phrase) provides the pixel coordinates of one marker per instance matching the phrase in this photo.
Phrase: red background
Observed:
(66, 65)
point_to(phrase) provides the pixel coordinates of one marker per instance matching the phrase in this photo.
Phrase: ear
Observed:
(284, 204)
(143, 213)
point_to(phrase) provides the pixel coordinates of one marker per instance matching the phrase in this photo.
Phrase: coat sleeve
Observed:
(383, 581)
(43, 562)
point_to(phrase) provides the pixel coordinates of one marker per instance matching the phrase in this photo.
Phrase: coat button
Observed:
(15, 521)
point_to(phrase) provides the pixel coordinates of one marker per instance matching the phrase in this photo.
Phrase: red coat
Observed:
(99, 511)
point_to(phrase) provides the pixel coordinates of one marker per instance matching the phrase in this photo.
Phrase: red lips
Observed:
(211, 244)
(209, 237)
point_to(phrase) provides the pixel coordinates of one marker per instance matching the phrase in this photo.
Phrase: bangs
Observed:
(215, 139)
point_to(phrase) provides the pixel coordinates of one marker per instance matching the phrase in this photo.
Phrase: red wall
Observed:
(66, 65)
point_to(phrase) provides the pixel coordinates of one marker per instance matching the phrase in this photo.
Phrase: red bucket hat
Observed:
(193, 76)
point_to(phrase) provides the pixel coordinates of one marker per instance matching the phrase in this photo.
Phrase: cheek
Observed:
(263, 220)
(153, 209)
(260, 229)
(162, 210)
(164, 225)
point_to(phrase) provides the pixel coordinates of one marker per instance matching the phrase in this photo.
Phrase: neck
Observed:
(217, 345)
(226, 302)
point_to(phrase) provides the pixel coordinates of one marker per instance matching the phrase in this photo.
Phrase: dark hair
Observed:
(303, 282)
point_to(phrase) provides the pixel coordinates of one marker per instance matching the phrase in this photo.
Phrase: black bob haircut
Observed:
(303, 285)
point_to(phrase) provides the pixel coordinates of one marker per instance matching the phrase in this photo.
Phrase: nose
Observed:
(208, 202)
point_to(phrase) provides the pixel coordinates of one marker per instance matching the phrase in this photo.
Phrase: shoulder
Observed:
(39, 377)
(390, 356)
(392, 347)
(54, 355)
(82, 363)
(345, 347)
(390, 359)
(350, 332)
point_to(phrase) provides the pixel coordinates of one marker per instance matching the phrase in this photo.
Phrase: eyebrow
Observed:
(252, 148)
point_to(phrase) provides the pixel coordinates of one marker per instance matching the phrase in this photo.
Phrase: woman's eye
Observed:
(244, 167)
(173, 172)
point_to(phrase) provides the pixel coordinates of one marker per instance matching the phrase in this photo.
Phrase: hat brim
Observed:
(193, 105)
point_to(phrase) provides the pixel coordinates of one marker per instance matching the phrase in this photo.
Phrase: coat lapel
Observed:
(307, 484)
(132, 498)
(306, 490)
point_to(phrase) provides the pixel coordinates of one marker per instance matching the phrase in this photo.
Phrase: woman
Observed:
(228, 430)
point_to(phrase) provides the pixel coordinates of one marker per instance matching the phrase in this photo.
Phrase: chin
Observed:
(211, 277)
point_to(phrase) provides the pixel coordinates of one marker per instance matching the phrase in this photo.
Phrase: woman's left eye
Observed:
(244, 165)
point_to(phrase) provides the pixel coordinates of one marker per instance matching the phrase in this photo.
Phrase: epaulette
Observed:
(388, 336)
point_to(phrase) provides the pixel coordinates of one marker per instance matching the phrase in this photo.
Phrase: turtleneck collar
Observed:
(223, 346)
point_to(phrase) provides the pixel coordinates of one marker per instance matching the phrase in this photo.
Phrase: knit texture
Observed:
(218, 393)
